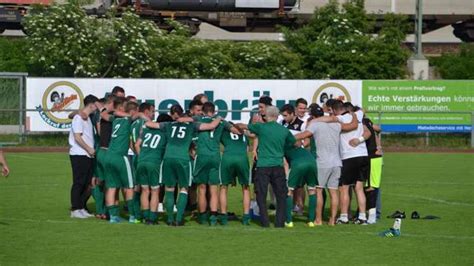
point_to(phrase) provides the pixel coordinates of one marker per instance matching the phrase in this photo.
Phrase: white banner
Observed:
(67, 93)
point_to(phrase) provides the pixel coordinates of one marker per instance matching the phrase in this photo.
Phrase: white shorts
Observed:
(329, 177)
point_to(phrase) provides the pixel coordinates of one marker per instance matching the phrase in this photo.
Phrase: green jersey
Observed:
(312, 147)
(179, 137)
(208, 142)
(234, 144)
(153, 145)
(120, 138)
(272, 140)
(297, 154)
(136, 127)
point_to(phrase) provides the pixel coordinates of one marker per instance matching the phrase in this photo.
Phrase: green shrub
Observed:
(457, 66)
(338, 43)
(12, 55)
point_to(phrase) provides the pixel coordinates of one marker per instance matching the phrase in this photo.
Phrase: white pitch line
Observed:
(431, 199)
(429, 183)
(37, 158)
(255, 228)
(28, 185)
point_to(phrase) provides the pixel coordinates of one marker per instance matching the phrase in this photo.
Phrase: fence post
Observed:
(472, 130)
(20, 113)
(380, 124)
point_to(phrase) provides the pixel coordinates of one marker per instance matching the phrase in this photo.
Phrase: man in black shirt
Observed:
(290, 120)
(374, 150)
(295, 125)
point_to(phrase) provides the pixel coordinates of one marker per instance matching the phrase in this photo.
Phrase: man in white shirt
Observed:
(81, 153)
(327, 139)
(355, 163)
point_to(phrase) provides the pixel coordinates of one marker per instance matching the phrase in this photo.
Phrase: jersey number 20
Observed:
(154, 141)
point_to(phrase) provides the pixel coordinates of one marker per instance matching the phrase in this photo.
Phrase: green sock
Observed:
(146, 214)
(203, 217)
(223, 217)
(289, 209)
(246, 219)
(113, 210)
(136, 205)
(181, 205)
(153, 216)
(169, 203)
(131, 207)
(213, 219)
(312, 208)
(98, 196)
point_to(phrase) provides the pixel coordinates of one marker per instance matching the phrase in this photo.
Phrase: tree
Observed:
(180, 57)
(457, 66)
(339, 43)
(12, 57)
(63, 41)
(265, 60)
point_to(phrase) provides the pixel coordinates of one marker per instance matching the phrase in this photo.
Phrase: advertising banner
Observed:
(420, 106)
(57, 94)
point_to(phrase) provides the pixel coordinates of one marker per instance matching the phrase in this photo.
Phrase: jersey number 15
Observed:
(181, 132)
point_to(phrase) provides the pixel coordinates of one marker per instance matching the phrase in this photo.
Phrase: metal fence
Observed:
(12, 94)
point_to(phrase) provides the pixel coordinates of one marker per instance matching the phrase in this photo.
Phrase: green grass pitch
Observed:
(35, 227)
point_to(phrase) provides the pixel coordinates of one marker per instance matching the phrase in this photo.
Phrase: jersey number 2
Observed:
(116, 128)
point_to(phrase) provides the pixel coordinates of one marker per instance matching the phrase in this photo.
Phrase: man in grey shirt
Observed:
(327, 139)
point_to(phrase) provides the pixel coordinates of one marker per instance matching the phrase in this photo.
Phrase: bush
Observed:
(188, 58)
(338, 43)
(12, 55)
(63, 41)
(457, 66)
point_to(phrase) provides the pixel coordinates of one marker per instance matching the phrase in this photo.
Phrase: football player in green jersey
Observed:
(150, 147)
(194, 110)
(206, 165)
(234, 164)
(303, 171)
(119, 174)
(176, 167)
(146, 112)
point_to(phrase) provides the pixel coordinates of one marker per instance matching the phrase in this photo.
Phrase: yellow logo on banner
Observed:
(331, 90)
(60, 96)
